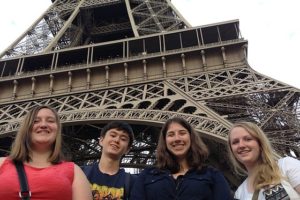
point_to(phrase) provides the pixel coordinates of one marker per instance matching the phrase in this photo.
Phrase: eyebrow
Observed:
(49, 117)
(122, 133)
(181, 130)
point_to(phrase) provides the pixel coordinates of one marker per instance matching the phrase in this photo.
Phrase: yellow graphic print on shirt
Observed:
(101, 192)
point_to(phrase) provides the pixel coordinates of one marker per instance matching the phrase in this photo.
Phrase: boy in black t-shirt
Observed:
(106, 177)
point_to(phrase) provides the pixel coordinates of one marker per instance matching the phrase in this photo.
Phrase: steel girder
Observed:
(70, 23)
(217, 98)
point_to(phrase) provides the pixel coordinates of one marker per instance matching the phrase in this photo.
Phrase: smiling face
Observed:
(44, 129)
(115, 143)
(178, 140)
(244, 146)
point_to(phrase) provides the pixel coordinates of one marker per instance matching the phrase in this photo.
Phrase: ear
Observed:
(100, 140)
(127, 151)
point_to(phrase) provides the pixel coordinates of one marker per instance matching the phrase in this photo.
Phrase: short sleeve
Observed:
(290, 168)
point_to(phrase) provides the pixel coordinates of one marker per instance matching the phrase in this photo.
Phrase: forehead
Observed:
(238, 132)
(118, 131)
(175, 126)
(45, 112)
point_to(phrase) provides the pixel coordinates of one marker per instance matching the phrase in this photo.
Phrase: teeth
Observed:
(43, 132)
(114, 146)
(174, 145)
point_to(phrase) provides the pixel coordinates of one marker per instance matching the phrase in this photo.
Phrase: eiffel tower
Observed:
(140, 61)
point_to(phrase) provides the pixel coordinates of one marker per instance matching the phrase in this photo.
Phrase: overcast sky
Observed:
(270, 26)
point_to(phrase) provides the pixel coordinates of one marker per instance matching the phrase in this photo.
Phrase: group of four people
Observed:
(180, 173)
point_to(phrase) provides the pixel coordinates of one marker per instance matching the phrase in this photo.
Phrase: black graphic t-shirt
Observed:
(105, 186)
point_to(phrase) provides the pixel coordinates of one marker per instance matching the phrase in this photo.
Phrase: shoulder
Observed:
(66, 165)
(290, 168)
(127, 174)
(76, 167)
(88, 169)
(288, 160)
(2, 160)
(288, 163)
(216, 177)
(129, 180)
(211, 171)
(153, 171)
(241, 190)
(78, 171)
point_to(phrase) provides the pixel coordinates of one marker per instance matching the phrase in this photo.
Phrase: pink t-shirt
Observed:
(50, 183)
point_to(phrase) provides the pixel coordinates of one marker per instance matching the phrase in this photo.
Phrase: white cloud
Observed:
(270, 26)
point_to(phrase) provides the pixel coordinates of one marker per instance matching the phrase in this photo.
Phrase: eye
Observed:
(112, 135)
(248, 138)
(183, 132)
(125, 139)
(51, 120)
(234, 142)
(36, 121)
(170, 134)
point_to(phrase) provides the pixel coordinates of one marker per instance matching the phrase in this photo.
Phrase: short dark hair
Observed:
(119, 125)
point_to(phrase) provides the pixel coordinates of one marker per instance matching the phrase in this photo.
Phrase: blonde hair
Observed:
(21, 146)
(267, 171)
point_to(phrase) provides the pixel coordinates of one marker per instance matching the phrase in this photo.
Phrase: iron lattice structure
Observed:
(141, 62)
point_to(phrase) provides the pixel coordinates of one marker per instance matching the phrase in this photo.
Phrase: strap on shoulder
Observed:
(24, 193)
(255, 195)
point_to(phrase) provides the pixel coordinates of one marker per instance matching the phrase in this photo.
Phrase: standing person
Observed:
(38, 146)
(108, 181)
(269, 176)
(180, 172)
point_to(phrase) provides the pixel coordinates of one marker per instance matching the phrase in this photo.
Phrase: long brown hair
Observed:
(267, 171)
(21, 146)
(196, 156)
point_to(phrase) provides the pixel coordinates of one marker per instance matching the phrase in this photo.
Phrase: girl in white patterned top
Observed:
(269, 176)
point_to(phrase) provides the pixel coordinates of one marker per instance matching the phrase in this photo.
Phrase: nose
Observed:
(117, 139)
(43, 124)
(241, 144)
(177, 137)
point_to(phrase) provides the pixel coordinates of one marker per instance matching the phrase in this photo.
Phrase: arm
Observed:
(81, 189)
(1, 160)
(291, 169)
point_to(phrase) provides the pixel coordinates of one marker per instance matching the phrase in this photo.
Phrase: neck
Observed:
(39, 159)
(183, 165)
(250, 169)
(108, 165)
(251, 177)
